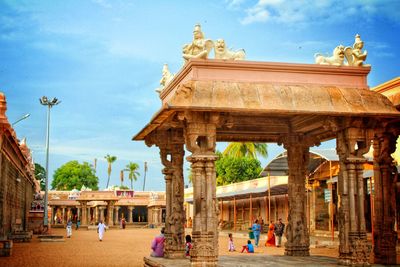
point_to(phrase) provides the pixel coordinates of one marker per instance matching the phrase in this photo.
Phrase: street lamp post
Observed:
(49, 103)
(145, 171)
(20, 119)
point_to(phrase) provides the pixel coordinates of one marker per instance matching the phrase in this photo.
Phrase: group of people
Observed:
(275, 233)
(274, 236)
(157, 245)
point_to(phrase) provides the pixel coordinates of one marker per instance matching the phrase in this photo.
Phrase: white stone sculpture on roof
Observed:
(199, 48)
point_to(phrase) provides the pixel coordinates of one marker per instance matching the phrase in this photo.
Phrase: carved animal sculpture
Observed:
(337, 59)
(221, 52)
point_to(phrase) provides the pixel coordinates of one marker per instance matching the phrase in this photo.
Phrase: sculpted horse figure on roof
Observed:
(199, 48)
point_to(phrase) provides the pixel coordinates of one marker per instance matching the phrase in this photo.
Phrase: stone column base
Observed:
(359, 251)
(204, 251)
(172, 251)
(385, 248)
(297, 250)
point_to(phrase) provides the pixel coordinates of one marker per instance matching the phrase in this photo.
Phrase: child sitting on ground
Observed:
(231, 246)
(188, 244)
(249, 247)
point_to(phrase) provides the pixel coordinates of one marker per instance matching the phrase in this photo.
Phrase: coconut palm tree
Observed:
(133, 168)
(239, 149)
(110, 161)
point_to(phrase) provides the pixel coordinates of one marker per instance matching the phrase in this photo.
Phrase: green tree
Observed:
(40, 175)
(232, 170)
(110, 161)
(123, 187)
(74, 175)
(133, 172)
(247, 149)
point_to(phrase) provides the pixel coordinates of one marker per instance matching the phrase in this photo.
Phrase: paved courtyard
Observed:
(128, 247)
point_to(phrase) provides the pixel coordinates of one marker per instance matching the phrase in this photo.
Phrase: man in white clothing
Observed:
(101, 228)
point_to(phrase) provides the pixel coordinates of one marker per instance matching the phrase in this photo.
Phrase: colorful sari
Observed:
(270, 236)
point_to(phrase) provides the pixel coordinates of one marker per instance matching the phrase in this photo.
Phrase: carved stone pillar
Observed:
(200, 138)
(96, 214)
(88, 217)
(298, 240)
(78, 212)
(110, 209)
(352, 143)
(385, 237)
(84, 212)
(101, 210)
(171, 143)
(63, 215)
(130, 209)
(116, 209)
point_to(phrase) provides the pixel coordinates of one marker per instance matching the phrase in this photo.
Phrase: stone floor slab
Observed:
(251, 260)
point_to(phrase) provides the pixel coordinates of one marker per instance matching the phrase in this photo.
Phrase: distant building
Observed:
(110, 206)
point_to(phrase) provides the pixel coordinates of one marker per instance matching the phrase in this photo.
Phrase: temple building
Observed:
(17, 181)
(136, 208)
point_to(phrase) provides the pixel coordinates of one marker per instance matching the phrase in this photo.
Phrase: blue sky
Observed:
(103, 60)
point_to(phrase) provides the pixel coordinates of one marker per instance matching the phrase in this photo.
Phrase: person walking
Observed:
(69, 228)
(78, 223)
(256, 231)
(278, 230)
(101, 229)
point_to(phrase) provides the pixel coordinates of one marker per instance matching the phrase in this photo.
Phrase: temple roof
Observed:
(279, 165)
(263, 100)
(390, 89)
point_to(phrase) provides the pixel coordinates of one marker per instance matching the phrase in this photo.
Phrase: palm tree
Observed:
(110, 160)
(133, 172)
(239, 149)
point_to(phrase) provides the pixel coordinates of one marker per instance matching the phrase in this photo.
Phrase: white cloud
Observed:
(255, 14)
(102, 3)
(326, 11)
(234, 4)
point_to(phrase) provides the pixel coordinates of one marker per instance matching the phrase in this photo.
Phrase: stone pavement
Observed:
(251, 260)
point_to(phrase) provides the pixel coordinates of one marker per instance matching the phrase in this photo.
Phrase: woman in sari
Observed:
(270, 236)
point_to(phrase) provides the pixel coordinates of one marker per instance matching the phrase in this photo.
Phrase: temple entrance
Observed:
(140, 214)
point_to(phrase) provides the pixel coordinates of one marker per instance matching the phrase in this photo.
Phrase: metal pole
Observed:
(234, 214)
(145, 171)
(46, 220)
(251, 210)
(45, 101)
